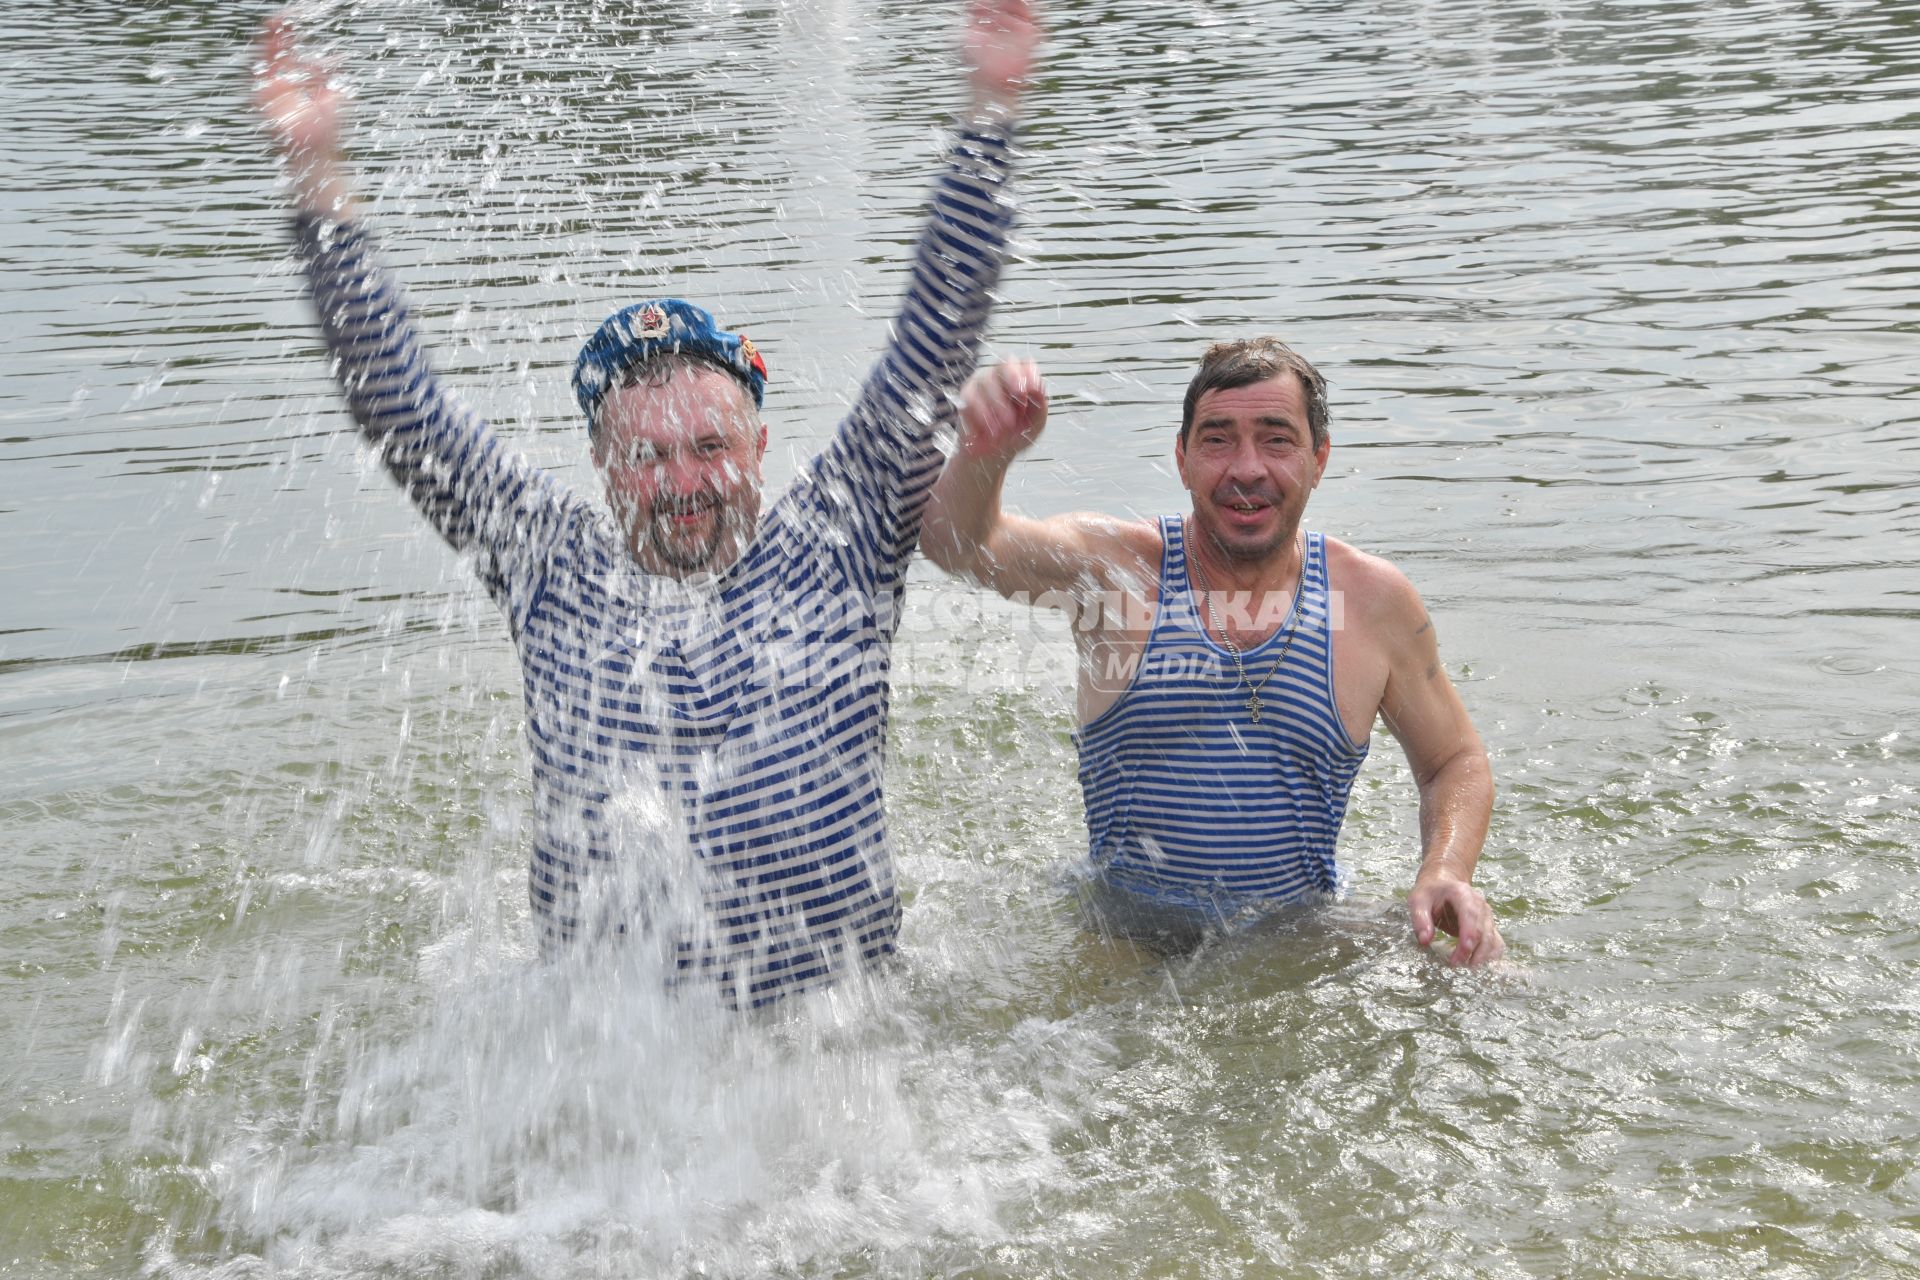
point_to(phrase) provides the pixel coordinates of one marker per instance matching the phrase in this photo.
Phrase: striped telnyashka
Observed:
(706, 758)
(1190, 801)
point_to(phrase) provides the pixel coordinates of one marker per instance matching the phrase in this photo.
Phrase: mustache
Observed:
(684, 506)
(1239, 493)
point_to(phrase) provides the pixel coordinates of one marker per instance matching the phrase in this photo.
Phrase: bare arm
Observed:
(966, 531)
(1450, 766)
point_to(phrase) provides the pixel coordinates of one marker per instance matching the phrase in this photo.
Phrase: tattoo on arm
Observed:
(1426, 625)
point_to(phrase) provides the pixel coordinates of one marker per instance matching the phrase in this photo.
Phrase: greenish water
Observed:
(1618, 302)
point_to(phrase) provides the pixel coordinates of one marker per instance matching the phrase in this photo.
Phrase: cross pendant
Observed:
(1253, 706)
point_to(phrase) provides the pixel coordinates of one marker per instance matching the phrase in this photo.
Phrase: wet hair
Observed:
(1228, 365)
(659, 369)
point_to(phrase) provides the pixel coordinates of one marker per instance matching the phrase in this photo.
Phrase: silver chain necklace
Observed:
(1291, 626)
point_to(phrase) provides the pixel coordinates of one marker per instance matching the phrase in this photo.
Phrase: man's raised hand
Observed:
(1002, 410)
(301, 109)
(1001, 45)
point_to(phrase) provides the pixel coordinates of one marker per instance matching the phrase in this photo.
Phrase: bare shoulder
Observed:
(1373, 590)
(1139, 539)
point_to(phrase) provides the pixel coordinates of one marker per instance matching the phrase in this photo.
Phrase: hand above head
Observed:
(301, 109)
(1451, 905)
(1002, 42)
(1002, 410)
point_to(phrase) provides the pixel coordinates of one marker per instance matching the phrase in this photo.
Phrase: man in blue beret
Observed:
(705, 681)
(651, 372)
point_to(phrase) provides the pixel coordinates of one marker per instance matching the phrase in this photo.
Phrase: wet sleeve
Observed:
(874, 477)
(486, 499)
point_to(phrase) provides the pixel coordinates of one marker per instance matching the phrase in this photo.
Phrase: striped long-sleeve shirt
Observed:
(706, 757)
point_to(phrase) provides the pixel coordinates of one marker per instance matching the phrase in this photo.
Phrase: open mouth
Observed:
(681, 515)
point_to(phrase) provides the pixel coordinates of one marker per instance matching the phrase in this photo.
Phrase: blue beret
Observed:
(646, 329)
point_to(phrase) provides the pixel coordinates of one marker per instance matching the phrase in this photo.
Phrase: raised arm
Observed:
(1000, 45)
(301, 108)
(1002, 412)
(875, 475)
(1449, 763)
(480, 495)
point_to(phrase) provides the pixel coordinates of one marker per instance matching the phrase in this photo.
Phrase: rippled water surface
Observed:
(1618, 301)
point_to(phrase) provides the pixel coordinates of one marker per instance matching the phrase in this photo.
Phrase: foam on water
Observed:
(587, 1117)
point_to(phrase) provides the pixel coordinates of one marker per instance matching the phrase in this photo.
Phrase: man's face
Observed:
(1250, 463)
(681, 461)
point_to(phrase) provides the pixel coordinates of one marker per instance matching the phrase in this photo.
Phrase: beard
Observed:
(1249, 544)
(720, 536)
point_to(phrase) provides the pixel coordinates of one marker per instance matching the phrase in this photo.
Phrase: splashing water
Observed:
(1612, 300)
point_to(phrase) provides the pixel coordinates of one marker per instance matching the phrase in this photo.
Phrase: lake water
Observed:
(1618, 301)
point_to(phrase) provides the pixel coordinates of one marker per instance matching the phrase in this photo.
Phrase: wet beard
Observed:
(682, 552)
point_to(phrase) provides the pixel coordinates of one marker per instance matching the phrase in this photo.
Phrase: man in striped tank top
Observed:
(705, 681)
(1232, 663)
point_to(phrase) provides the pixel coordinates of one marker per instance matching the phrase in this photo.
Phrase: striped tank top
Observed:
(1192, 803)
